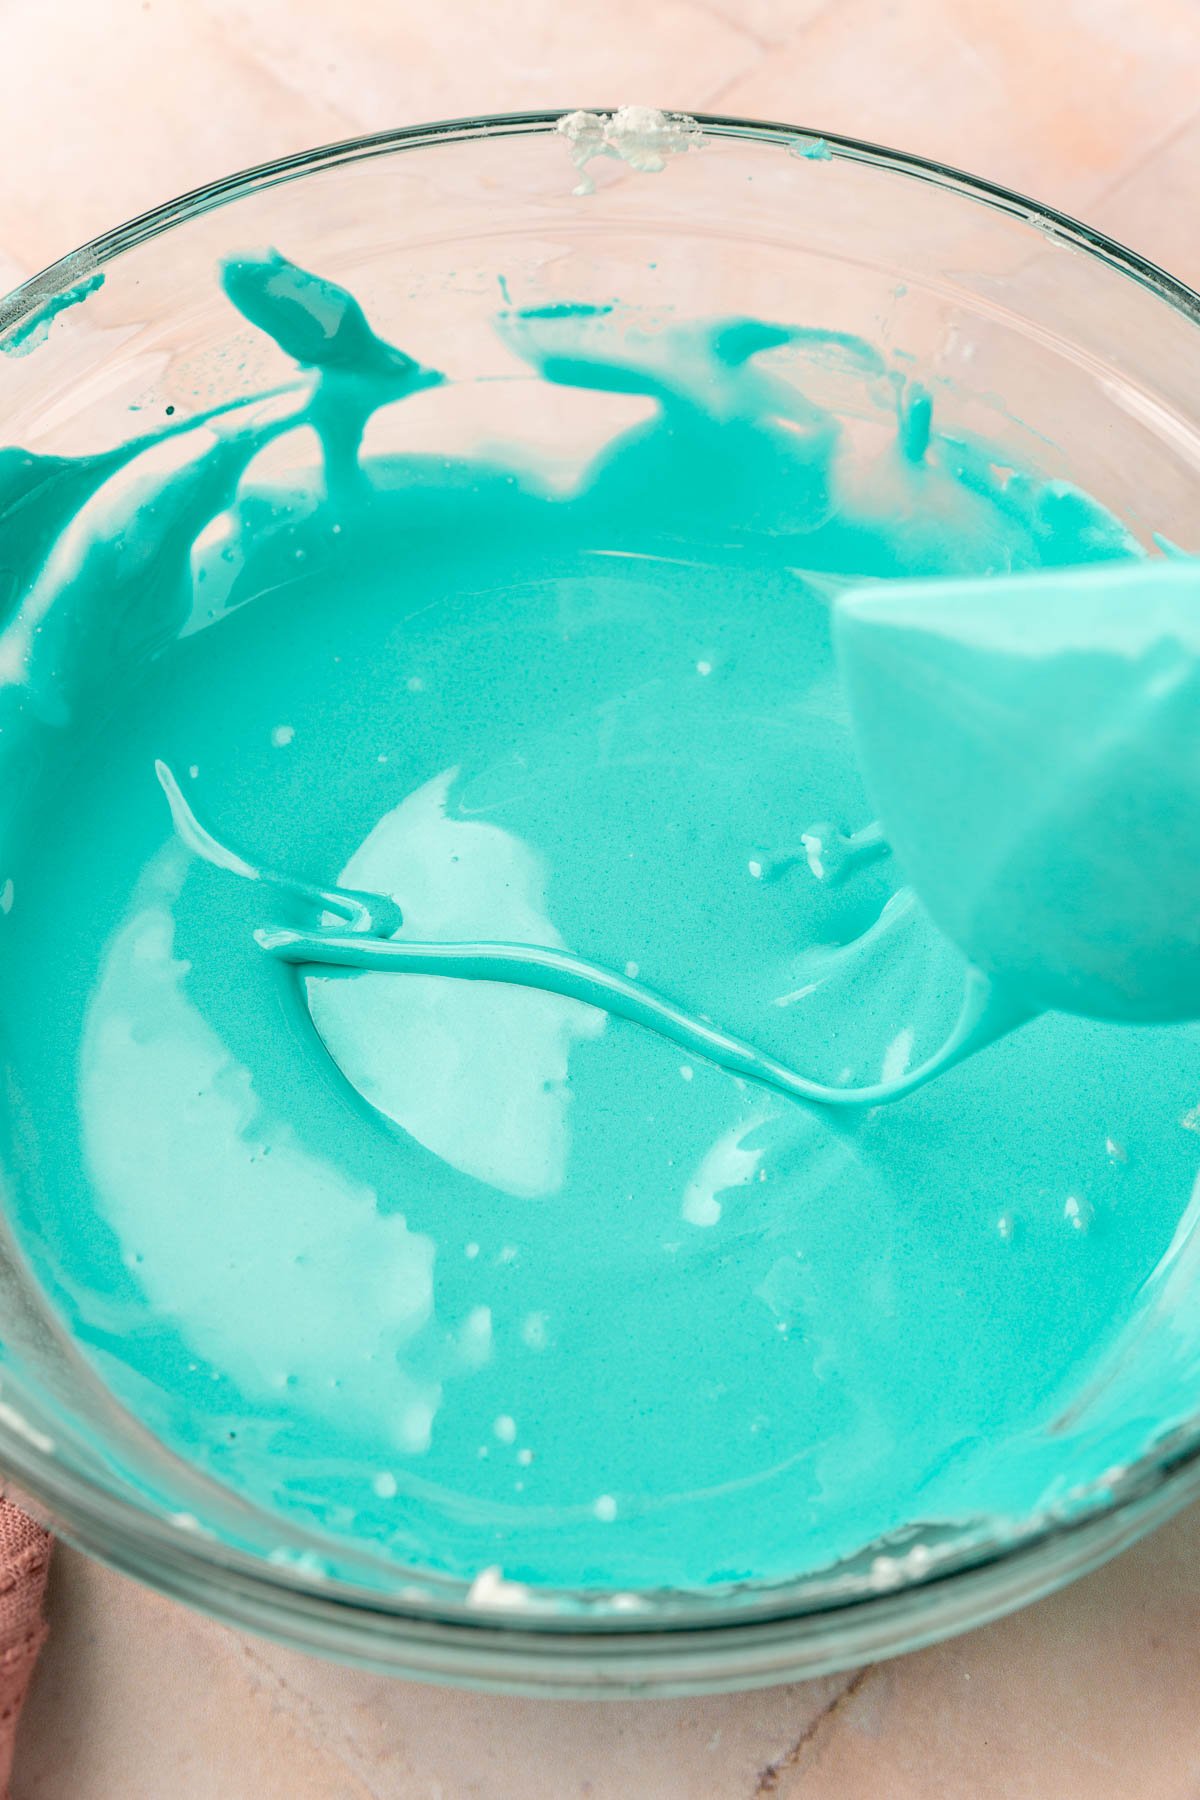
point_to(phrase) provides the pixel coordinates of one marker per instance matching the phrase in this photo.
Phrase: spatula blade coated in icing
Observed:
(1033, 746)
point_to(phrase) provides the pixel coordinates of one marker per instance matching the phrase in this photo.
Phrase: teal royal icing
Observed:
(453, 966)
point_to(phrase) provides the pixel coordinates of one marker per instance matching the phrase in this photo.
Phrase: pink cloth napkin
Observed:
(24, 1564)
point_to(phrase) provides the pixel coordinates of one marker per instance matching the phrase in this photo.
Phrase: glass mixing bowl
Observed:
(1069, 353)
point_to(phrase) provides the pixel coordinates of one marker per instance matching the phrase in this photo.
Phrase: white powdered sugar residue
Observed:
(641, 136)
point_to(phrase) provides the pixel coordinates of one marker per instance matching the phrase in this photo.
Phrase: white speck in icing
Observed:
(813, 847)
(505, 1428)
(6, 896)
(307, 1562)
(886, 1572)
(490, 1588)
(385, 1485)
(282, 736)
(605, 1509)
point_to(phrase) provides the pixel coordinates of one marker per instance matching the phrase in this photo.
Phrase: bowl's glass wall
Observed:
(1066, 356)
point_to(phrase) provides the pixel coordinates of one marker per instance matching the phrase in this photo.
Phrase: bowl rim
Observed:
(786, 1631)
(56, 276)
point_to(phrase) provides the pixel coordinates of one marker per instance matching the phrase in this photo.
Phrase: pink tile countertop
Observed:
(1093, 105)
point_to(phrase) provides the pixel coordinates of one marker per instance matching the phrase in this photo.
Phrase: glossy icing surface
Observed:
(474, 1268)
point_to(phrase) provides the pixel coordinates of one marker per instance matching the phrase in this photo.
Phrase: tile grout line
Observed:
(253, 58)
(769, 46)
(300, 1711)
(774, 49)
(1146, 155)
(769, 1777)
(715, 13)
